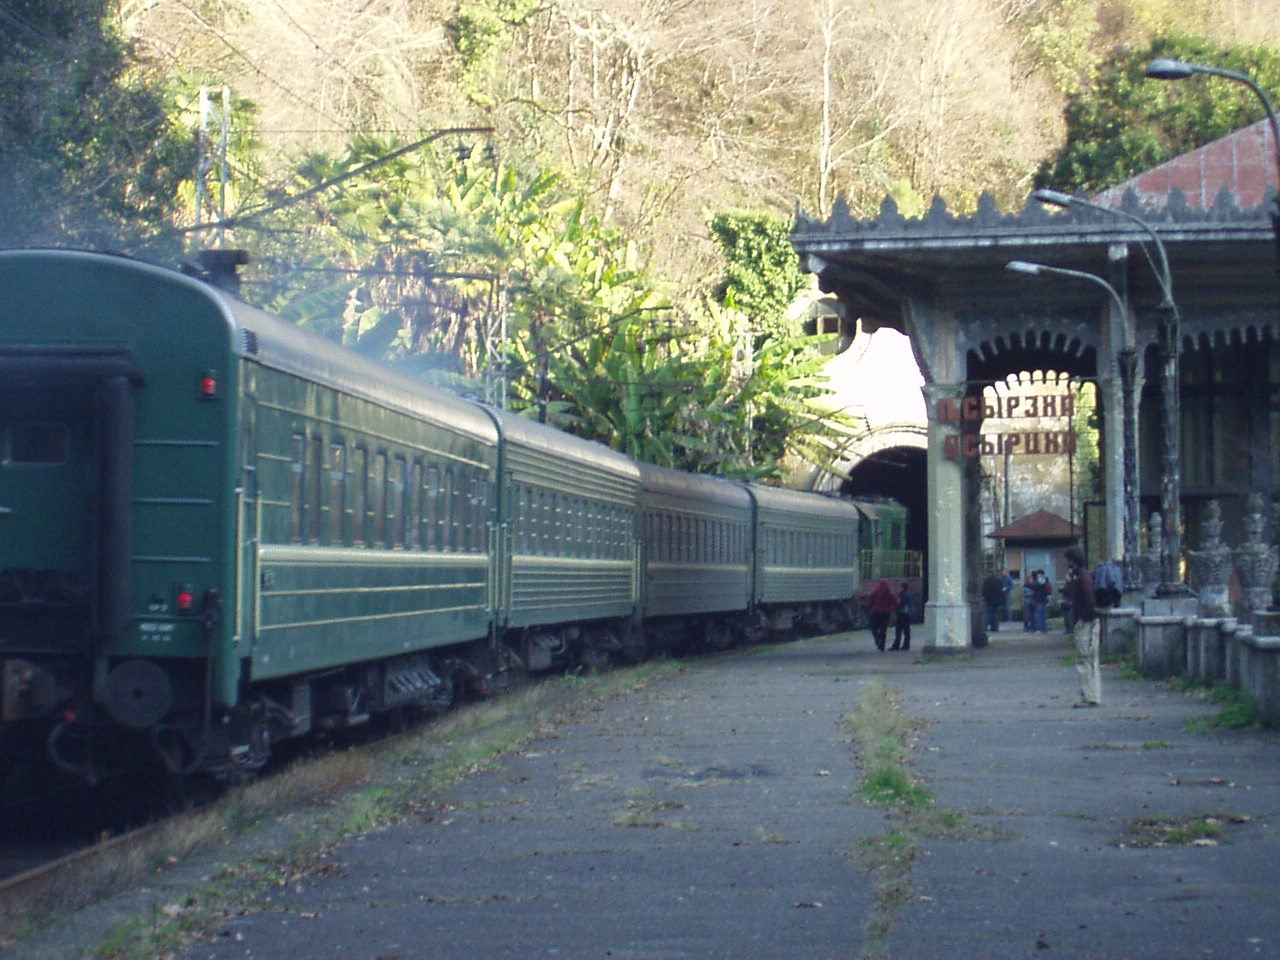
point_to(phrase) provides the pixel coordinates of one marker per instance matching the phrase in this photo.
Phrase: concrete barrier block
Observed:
(1118, 631)
(1162, 646)
(1260, 675)
(1206, 648)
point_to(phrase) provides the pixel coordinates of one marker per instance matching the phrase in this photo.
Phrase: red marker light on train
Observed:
(185, 598)
(209, 384)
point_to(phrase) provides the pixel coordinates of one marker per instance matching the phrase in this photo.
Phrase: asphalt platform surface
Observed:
(713, 813)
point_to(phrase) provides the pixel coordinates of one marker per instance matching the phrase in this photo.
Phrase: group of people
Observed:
(1080, 602)
(884, 605)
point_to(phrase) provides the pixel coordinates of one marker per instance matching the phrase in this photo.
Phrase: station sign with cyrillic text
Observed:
(1009, 442)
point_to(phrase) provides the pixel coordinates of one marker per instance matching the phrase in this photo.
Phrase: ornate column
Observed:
(946, 614)
(1211, 564)
(1255, 561)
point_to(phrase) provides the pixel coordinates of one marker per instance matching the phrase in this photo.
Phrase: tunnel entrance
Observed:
(898, 473)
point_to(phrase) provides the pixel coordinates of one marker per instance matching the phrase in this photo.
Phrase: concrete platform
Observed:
(712, 814)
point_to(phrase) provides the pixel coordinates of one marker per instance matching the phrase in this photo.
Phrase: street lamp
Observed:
(1036, 269)
(1130, 471)
(1170, 324)
(1169, 69)
(1166, 69)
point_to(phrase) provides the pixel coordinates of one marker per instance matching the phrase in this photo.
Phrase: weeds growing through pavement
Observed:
(884, 735)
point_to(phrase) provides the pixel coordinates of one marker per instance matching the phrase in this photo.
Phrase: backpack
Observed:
(1108, 585)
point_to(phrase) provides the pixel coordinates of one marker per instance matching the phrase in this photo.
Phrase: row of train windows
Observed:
(677, 538)
(355, 497)
(552, 523)
(792, 548)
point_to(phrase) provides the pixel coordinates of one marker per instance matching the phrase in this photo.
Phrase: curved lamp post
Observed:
(1170, 325)
(1131, 577)
(1169, 69)
(1166, 69)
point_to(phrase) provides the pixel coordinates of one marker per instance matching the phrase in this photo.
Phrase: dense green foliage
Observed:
(592, 229)
(762, 275)
(88, 154)
(1126, 123)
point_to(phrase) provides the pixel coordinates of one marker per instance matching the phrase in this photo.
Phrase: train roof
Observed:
(879, 507)
(801, 501)
(273, 342)
(701, 486)
(521, 430)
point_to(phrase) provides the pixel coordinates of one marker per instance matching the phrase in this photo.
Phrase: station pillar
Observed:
(947, 619)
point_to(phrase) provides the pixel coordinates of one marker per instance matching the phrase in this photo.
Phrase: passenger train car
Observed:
(218, 531)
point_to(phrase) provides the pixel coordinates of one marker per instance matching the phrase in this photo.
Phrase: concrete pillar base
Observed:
(947, 626)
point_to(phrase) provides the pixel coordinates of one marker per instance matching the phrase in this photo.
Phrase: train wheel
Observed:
(717, 634)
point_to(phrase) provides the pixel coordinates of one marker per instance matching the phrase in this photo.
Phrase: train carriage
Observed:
(188, 549)
(697, 537)
(805, 558)
(218, 530)
(569, 551)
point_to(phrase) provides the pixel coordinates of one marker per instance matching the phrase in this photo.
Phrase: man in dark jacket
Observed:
(1084, 610)
(993, 599)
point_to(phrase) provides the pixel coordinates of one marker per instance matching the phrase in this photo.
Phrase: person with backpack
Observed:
(1108, 584)
(908, 604)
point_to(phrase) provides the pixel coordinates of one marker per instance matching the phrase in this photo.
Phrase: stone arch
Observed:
(881, 437)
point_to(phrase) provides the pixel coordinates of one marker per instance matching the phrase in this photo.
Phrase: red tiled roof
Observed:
(1244, 163)
(1041, 525)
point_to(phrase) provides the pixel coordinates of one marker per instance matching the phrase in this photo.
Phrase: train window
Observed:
(460, 513)
(478, 496)
(297, 486)
(431, 508)
(360, 498)
(521, 519)
(413, 523)
(315, 490)
(446, 511)
(337, 492)
(43, 444)
(378, 496)
(395, 501)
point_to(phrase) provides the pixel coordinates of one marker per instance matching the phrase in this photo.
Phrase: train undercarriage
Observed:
(157, 717)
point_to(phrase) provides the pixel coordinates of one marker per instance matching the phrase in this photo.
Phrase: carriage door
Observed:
(66, 468)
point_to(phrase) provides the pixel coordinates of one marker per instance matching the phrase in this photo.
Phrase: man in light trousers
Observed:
(1084, 609)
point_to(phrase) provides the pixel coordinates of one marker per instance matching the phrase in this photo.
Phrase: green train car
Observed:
(208, 517)
(218, 531)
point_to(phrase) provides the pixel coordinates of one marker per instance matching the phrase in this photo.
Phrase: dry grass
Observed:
(274, 826)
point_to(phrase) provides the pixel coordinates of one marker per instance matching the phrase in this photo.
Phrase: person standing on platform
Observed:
(1009, 581)
(880, 605)
(993, 599)
(1041, 590)
(1084, 611)
(908, 610)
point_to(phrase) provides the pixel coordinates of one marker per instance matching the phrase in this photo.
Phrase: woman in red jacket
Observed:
(880, 606)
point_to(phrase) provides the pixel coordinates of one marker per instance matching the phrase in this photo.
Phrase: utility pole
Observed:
(209, 155)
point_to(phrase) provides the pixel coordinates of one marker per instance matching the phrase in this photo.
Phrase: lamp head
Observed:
(1055, 198)
(1024, 266)
(1167, 69)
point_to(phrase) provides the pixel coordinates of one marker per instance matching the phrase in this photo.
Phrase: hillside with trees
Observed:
(613, 178)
